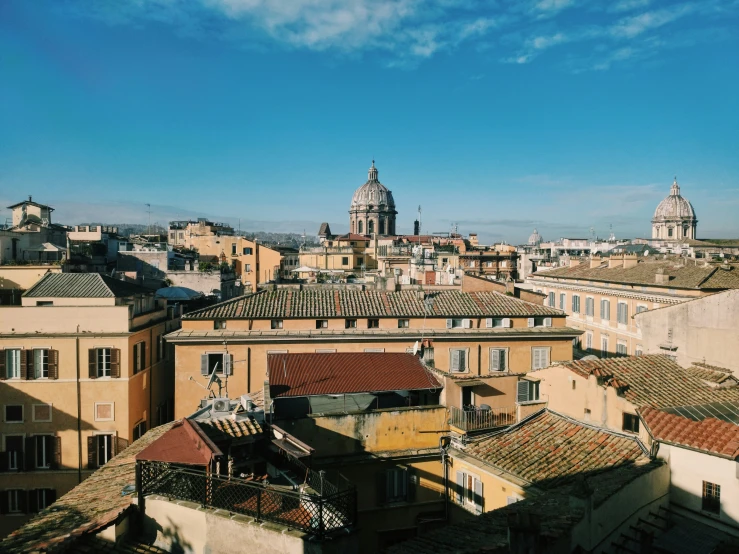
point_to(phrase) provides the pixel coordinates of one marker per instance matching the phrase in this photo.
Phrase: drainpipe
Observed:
(151, 376)
(79, 412)
(443, 446)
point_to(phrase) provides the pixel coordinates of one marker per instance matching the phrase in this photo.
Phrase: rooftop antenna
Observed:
(419, 220)
(148, 229)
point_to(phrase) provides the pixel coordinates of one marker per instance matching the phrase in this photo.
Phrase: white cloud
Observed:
(628, 5)
(633, 26)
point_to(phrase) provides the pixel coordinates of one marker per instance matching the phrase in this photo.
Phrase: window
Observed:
(374, 350)
(540, 322)
(41, 412)
(527, 391)
(276, 324)
(44, 445)
(630, 423)
(345, 260)
(393, 485)
(575, 304)
(458, 362)
(247, 251)
(404, 323)
(669, 231)
(539, 357)
(218, 362)
(247, 268)
(14, 413)
(589, 306)
(44, 302)
(16, 501)
(40, 499)
(103, 362)
(622, 312)
(498, 359)
(604, 347)
(139, 429)
(233, 249)
(562, 301)
(588, 341)
(494, 322)
(458, 323)
(621, 348)
(605, 309)
(428, 355)
(641, 308)
(639, 350)
(711, 497)
(350, 324)
(373, 324)
(139, 356)
(103, 450)
(219, 324)
(14, 451)
(551, 300)
(13, 363)
(469, 492)
(321, 323)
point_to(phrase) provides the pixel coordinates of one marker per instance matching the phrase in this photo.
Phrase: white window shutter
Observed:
(204, 364)
(507, 322)
(478, 496)
(495, 359)
(531, 322)
(468, 324)
(489, 322)
(522, 391)
(544, 357)
(547, 322)
(228, 364)
(462, 360)
(455, 360)
(460, 487)
(448, 323)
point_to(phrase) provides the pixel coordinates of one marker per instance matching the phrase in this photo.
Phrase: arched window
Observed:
(382, 226)
(685, 230)
(360, 228)
(669, 231)
(370, 226)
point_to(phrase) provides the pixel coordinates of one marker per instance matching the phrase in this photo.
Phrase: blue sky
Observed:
(499, 116)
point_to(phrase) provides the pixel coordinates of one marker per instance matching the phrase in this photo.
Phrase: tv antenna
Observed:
(419, 219)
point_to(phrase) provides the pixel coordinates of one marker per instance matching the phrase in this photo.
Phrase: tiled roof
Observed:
(97, 545)
(688, 276)
(89, 507)
(345, 373)
(710, 373)
(223, 429)
(182, 444)
(488, 532)
(653, 380)
(287, 304)
(82, 285)
(550, 449)
(352, 237)
(710, 435)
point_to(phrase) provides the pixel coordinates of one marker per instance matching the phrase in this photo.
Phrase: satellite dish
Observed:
(415, 348)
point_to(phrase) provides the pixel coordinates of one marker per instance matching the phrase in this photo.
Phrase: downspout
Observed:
(248, 369)
(443, 446)
(151, 376)
(79, 412)
(479, 359)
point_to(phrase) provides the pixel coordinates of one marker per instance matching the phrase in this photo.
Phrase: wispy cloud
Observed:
(406, 32)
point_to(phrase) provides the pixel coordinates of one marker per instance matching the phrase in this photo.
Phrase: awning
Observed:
(289, 448)
(45, 247)
(469, 383)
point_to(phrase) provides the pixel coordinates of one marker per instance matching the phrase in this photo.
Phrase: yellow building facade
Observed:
(84, 371)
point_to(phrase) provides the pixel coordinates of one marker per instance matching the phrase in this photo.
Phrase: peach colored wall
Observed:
(24, 276)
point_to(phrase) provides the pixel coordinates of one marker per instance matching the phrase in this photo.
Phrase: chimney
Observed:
(630, 260)
(473, 239)
(595, 261)
(661, 278)
(416, 228)
(615, 261)
(574, 262)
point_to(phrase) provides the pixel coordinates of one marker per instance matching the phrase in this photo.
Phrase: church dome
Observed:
(535, 238)
(674, 206)
(373, 194)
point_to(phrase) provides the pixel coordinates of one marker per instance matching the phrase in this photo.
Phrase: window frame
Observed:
(575, 303)
(467, 497)
(5, 414)
(404, 323)
(373, 323)
(111, 451)
(276, 323)
(18, 494)
(562, 301)
(630, 423)
(533, 393)
(505, 352)
(33, 413)
(711, 498)
(350, 323)
(625, 313)
(95, 411)
(466, 352)
(321, 323)
(101, 359)
(44, 449)
(547, 349)
(139, 355)
(7, 352)
(44, 352)
(18, 465)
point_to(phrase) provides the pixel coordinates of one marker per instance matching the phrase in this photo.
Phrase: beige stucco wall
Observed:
(185, 527)
(704, 330)
(688, 470)
(24, 276)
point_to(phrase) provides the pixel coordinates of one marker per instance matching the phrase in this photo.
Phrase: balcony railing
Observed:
(316, 514)
(476, 419)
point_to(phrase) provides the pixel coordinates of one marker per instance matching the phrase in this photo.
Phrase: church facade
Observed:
(372, 211)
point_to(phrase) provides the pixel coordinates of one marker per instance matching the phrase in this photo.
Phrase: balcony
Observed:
(475, 418)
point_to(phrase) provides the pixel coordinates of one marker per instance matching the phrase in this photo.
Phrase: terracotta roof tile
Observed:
(653, 380)
(344, 373)
(688, 276)
(89, 507)
(355, 303)
(711, 435)
(225, 428)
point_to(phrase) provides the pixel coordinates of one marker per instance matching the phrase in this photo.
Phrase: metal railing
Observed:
(477, 419)
(313, 514)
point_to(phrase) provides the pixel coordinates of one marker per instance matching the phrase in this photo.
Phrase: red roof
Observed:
(345, 373)
(710, 435)
(352, 236)
(182, 444)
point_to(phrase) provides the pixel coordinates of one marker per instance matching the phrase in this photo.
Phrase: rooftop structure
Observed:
(83, 285)
(674, 218)
(372, 210)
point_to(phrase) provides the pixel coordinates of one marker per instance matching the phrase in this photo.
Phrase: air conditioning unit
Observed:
(221, 405)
